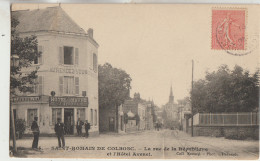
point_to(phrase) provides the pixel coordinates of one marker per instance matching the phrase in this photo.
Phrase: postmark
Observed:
(229, 31)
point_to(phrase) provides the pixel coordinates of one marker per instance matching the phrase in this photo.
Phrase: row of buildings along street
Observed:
(65, 81)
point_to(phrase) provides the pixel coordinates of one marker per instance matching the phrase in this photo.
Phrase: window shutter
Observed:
(35, 81)
(77, 85)
(61, 56)
(40, 85)
(61, 84)
(40, 49)
(76, 56)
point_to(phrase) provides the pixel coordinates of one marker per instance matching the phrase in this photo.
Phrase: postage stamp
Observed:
(228, 29)
(92, 81)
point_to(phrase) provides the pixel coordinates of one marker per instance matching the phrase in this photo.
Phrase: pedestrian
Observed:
(79, 127)
(36, 132)
(59, 130)
(87, 127)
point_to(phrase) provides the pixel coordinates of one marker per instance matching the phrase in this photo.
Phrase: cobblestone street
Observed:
(170, 144)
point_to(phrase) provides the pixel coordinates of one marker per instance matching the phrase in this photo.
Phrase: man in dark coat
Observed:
(36, 132)
(59, 130)
(87, 127)
(79, 126)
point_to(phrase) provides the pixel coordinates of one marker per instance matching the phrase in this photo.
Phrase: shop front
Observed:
(69, 109)
(27, 107)
(48, 110)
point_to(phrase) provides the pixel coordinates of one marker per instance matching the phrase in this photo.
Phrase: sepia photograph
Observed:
(134, 81)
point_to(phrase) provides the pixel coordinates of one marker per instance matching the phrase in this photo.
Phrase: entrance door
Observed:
(69, 120)
(111, 124)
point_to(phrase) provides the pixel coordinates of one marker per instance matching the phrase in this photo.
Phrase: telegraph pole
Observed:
(191, 99)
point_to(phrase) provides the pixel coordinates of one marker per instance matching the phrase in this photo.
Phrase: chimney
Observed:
(90, 32)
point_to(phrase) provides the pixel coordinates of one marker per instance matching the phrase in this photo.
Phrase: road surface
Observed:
(168, 144)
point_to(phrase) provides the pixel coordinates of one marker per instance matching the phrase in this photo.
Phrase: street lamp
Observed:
(14, 63)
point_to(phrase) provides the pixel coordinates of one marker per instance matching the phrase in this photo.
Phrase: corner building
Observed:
(68, 66)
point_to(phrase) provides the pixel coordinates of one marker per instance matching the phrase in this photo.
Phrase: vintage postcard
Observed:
(134, 81)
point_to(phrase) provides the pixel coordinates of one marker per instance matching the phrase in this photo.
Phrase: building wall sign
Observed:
(69, 101)
(25, 99)
(69, 70)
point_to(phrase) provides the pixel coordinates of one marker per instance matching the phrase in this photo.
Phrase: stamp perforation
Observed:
(245, 37)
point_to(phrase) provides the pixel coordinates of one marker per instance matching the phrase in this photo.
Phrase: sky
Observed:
(156, 44)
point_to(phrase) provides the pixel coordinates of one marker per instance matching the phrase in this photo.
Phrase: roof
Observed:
(48, 19)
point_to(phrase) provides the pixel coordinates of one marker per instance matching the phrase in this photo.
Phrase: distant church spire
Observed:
(171, 98)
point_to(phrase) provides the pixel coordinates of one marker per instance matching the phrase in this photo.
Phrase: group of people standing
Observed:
(79, 127)
(158, 126)
(59, 131)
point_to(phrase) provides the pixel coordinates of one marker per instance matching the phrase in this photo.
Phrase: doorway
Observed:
(69, 121)
(111, 124)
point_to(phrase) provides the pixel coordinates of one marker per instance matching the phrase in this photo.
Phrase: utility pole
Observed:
(13, 127)
(14, 63)
(192, 99)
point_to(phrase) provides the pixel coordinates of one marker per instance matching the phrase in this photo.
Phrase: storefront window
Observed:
(56, 113)
(91, 116)
(31, 113)
(95, 118)
(81, 114)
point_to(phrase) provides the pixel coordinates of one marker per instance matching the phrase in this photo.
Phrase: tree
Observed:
(113, 87)
(226, 91)
(183, 102)
(26, 49)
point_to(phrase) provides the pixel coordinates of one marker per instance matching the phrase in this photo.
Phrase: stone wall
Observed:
(231, 132)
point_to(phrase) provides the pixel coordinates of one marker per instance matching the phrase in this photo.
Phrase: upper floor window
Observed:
(38, 85)
(94, 62)
(69, 85)
(68, 55)
(38, 59)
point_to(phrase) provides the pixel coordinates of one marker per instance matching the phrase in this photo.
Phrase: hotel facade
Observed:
(67, 83)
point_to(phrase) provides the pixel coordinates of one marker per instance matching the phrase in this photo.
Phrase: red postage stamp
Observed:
(228, 29)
